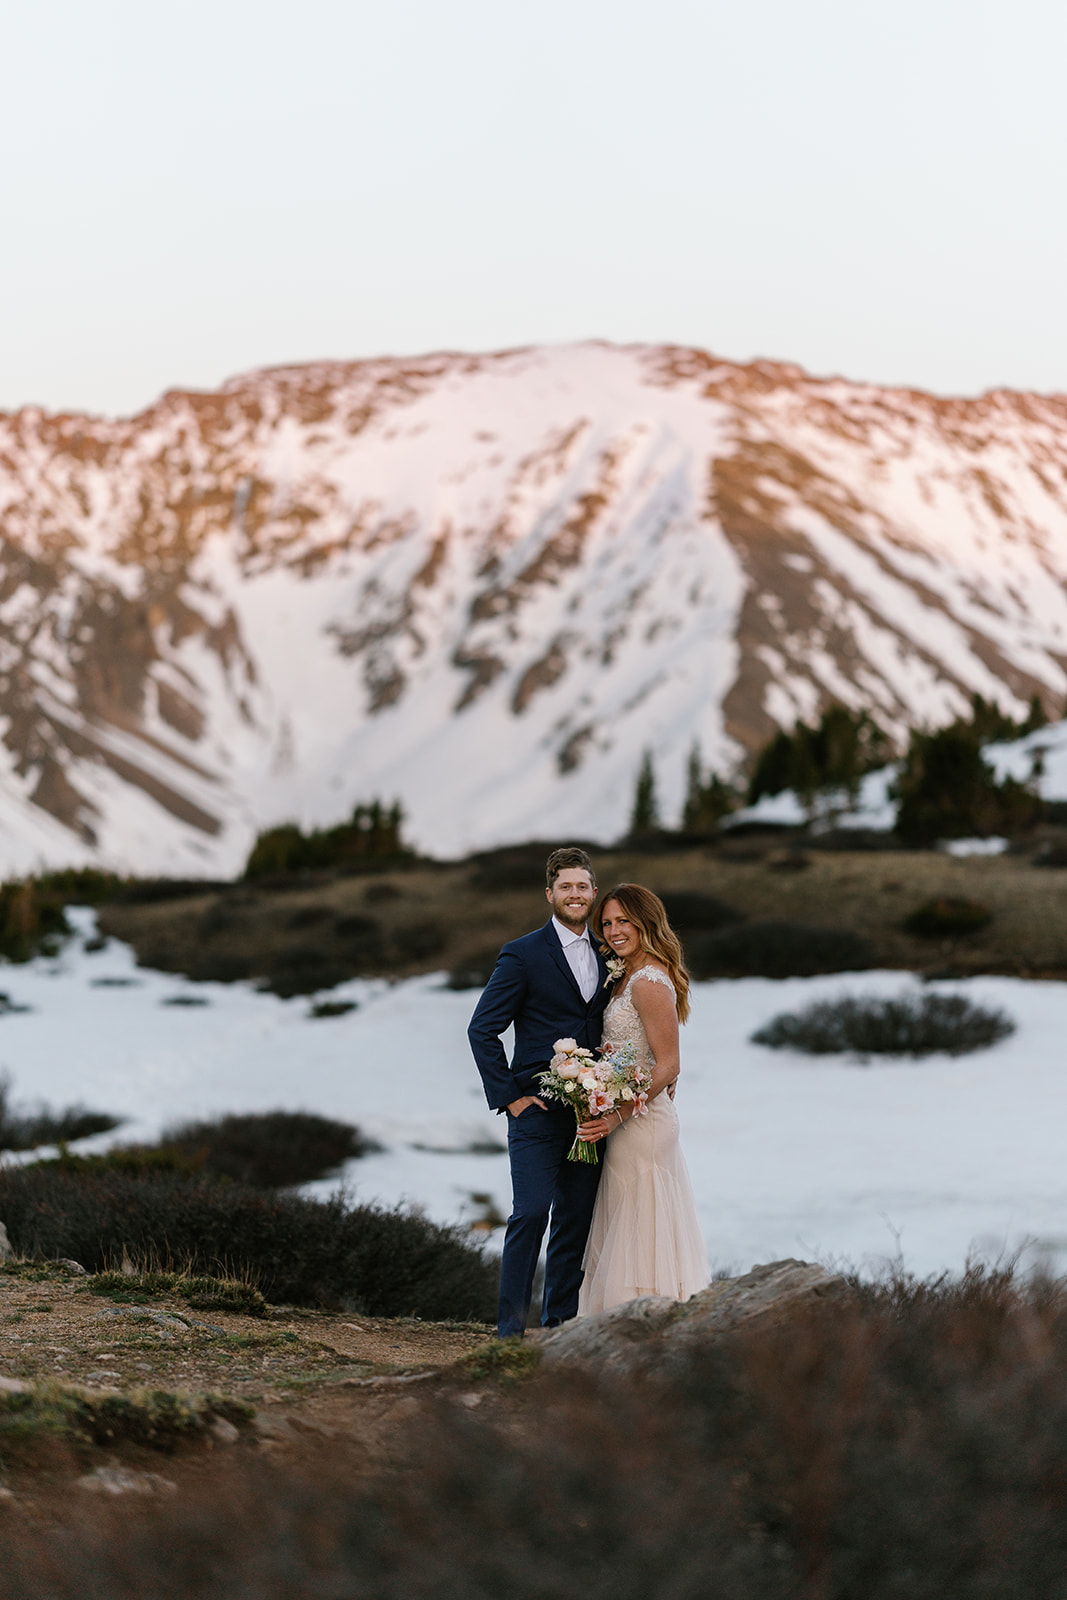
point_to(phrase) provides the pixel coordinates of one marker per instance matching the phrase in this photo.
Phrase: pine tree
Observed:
(707, 800)
(645, 815)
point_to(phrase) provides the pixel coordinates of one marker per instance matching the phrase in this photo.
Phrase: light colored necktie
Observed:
(587, 968)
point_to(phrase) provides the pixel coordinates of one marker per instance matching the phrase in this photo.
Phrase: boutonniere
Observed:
(616, 967)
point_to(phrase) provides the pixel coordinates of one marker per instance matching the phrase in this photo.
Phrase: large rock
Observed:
(653, 1330)
(6, 1252)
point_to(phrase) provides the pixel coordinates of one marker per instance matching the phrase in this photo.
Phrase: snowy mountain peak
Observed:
(485, 584)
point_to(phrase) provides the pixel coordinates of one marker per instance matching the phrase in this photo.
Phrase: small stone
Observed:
(223, 1431)
(470, 1400)
(6, 1251)
(6, 1493)
(73, 1266)
(121, 1480)
(13, 1386)
(274, 1428)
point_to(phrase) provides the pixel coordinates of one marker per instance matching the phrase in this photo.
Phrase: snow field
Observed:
(790, 1155)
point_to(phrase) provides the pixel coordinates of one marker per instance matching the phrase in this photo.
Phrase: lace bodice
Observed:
(622, 1025)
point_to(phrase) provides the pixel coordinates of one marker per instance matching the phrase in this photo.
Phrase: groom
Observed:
(551, 985)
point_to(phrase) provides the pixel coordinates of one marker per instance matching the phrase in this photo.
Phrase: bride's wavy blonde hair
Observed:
(649, 916)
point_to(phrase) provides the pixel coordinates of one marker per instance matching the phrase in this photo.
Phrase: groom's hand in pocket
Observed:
(523, 1103)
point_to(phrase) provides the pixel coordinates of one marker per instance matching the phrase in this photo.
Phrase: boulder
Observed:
(653, 1330)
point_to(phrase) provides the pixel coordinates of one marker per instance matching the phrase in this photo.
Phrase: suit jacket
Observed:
(533, 987)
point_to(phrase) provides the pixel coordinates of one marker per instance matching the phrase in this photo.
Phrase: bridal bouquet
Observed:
(593, 1082)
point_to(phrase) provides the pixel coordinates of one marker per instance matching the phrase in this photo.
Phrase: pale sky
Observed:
(187, 192)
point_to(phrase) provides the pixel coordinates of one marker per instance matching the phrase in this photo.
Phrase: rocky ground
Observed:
(294, 1388)
(291, 1384)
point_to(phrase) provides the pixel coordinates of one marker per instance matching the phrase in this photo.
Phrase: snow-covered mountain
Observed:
(485, 584)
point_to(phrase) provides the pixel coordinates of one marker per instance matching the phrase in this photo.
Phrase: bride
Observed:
(645, 1237)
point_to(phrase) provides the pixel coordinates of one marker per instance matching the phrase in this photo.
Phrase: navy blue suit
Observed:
(533, 987)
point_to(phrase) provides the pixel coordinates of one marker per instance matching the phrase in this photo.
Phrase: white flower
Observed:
(565, 1046)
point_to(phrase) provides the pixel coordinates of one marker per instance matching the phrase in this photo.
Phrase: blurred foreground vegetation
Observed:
(907, 1442)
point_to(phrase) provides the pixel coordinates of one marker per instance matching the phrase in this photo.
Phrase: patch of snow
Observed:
(974, 847)
(790, 1155)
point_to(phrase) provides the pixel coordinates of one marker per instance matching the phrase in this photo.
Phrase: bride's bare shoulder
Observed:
(655, 973)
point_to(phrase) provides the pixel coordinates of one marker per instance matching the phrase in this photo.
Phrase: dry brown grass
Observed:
(249, 932)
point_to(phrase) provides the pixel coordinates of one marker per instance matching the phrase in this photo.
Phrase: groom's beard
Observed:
(572, 919)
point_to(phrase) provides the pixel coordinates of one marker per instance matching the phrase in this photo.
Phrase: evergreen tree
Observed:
(707, 800)
(835, 754)
(645, 815)
(947, 789)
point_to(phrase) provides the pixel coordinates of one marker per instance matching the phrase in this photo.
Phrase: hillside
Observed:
(484, 584)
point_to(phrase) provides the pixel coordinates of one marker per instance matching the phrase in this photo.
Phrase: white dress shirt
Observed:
(578, 949)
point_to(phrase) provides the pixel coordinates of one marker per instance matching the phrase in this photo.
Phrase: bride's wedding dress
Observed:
(645, 1237)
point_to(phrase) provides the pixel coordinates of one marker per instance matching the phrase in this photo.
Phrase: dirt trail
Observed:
(313, 1382)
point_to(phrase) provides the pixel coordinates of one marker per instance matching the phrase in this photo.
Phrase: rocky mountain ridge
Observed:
(485, 584)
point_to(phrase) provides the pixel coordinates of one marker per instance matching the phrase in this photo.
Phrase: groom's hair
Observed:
(568, 856)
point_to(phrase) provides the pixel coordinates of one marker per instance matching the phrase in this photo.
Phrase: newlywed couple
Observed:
(626, 1226)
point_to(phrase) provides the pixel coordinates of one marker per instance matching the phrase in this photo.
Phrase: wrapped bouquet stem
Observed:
(592, 1083)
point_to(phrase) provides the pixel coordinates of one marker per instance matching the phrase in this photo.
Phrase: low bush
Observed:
(266, 1149)
(690, 911)
(32, 920)
(417, 941)
(1051, 855)
(306, 971)
(26, 1129)
(305, 1252)
(157, 1419)
(474, 971)
(199, 1293)
(908, 1025)
(948, 917)
(514, 867)
(371, 838)
(901, 1444)
(776, 950)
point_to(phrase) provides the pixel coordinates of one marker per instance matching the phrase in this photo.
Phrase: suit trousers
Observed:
(544, 1183)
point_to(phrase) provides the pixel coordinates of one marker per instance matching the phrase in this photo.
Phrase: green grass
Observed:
(200, 1293)
(145, 1416)
(509, 1359)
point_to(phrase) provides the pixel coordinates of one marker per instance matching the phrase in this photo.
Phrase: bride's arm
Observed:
(654, 1004)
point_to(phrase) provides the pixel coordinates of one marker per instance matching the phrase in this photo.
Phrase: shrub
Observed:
(371, 838)
(948, 917)
(31, 921)
(201, 1294)
(418, 941)
(25, 1130)
(690, 911)
(305, 1252)
(901, 1443)
(268, 1150)
(909, 1025)
(513, 867)
(776, 950)
(305, 971)
(475, 970)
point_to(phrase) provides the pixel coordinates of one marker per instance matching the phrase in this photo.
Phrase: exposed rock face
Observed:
(486, 584)
(650, 1331)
